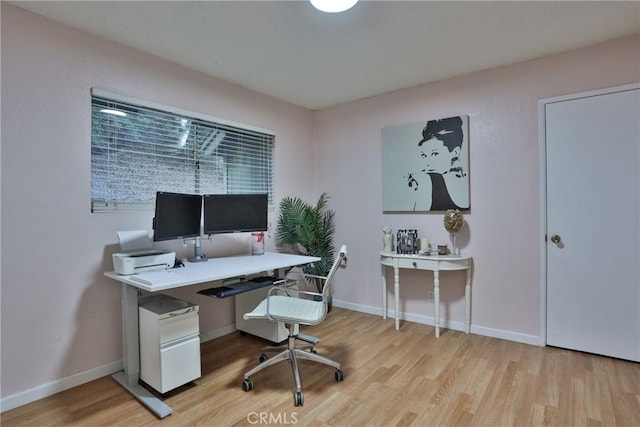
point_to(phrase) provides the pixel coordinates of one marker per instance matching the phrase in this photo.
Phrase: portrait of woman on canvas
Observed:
(434, 161)
(441, 150)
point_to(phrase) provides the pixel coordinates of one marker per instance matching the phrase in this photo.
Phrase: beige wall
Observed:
(60, 315)
(61, 318)
(503, 232)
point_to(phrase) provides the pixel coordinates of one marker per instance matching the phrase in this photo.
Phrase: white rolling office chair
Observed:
(291, 306)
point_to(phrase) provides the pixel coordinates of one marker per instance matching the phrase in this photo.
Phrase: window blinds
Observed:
(137, 150)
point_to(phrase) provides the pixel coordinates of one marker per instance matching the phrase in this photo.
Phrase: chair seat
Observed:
(287, 309)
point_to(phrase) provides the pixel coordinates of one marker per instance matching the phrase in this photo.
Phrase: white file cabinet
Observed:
(169, 343)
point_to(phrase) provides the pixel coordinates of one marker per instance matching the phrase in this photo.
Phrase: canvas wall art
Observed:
(425, 166)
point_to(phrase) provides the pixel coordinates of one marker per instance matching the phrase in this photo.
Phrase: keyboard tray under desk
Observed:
(240, 287)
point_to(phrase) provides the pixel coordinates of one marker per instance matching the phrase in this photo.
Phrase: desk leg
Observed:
(384, 294)
(130, 336)
(131, 355)
(467, 301)
(436, 301)
(396, 290)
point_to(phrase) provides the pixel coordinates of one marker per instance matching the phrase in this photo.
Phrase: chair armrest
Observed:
(282, 285)
(288, 289)
(314, 276)
(306, 278)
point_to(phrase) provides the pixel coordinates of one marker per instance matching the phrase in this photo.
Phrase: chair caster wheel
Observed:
(339, 375)
(263, 357)
(298, 399)
(247, 385)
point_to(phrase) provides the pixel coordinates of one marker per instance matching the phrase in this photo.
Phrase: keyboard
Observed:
(238, 288)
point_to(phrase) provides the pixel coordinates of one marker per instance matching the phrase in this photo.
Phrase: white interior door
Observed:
(593, 208)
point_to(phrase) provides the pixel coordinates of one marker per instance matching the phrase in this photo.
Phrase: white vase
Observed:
(387, 243)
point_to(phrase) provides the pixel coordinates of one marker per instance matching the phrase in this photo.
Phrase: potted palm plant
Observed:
(305, 229)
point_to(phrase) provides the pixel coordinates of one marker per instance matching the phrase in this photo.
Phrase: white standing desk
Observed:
(434, 263)
(214, 269)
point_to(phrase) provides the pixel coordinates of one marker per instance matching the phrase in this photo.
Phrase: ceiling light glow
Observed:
(333, 6)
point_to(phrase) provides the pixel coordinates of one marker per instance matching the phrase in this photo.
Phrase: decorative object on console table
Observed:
(443, 250)
(387, 239)
(407, 242)
(425, 246)
(453, 222)
(304, 229)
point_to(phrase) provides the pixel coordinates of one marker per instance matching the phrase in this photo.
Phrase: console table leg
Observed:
(436, 301)
(467, 301)
(396, 290)
(384, 295)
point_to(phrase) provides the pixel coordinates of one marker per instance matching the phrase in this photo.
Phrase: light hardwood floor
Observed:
(393, 378)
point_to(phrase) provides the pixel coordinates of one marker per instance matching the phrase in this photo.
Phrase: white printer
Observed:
(138, 255)
(135, 262)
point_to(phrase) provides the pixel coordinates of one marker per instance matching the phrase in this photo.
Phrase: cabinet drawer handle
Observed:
(415, 264)
(188, 310)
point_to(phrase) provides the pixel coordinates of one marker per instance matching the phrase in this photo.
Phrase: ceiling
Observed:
(292, 52)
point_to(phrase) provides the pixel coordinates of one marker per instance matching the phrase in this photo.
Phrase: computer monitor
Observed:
(235, 213)
(177, 216)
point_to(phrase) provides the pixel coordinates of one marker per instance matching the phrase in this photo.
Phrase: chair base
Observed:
(292, 353)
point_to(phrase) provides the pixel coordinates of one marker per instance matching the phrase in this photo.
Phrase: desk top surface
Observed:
(213, 269)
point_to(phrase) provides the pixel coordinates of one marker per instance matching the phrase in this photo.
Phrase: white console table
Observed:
(214, 269)
(435, 263)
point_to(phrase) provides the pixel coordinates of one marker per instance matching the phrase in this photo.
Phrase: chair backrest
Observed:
(340, 258)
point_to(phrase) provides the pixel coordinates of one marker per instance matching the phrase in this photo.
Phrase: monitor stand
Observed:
(198, 255)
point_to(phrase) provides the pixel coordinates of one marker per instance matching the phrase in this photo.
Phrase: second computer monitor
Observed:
(235, 213)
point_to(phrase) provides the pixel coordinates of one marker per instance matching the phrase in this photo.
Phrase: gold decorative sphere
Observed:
(453, 220)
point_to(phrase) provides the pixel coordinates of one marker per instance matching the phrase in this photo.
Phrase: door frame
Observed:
(542, 103)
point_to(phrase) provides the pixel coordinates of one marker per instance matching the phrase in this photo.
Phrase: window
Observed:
(139, 148)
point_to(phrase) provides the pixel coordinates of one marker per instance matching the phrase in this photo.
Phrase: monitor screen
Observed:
(177, 216)
(234, 213)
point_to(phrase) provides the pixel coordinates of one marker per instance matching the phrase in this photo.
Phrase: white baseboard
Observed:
(448, 324)
(217, 333)
(49, 389)
(53, 387)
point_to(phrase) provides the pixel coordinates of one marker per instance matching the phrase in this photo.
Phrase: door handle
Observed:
(556, 239)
